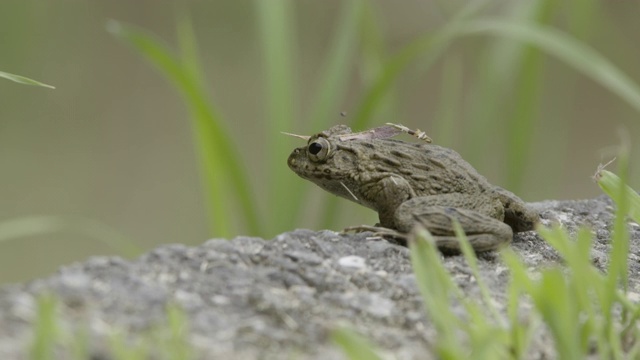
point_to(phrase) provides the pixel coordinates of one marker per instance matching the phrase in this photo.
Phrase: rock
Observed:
(251, 298)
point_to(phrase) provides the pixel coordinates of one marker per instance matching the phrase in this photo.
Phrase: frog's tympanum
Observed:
(411, 184)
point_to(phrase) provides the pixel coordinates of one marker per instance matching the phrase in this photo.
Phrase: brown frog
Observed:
(412, 183)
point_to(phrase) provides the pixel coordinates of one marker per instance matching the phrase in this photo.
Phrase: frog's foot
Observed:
(379, 232)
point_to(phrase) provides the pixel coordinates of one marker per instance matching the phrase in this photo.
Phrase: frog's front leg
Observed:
(437, 213)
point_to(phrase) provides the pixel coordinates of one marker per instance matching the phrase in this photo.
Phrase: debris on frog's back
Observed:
(384, 132)
(336, 130)
(417, 132)
(381, 132)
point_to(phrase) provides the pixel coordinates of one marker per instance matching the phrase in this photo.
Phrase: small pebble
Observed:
(354, 262)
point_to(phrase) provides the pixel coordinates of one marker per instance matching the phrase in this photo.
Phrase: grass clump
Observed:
(586, 311)
(53, 340)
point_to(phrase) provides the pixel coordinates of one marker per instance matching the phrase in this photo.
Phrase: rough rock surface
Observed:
(251, 298)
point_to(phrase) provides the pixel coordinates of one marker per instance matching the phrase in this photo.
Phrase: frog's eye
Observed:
(318, 149)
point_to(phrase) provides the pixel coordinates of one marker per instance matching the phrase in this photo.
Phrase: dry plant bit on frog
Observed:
(411, 184)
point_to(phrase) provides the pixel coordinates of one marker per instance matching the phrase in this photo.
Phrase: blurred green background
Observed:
(111, 153)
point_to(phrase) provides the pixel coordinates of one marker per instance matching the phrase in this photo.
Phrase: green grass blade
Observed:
(472, 260)
(161, 56)
(625, 199)
(373, 58)
(330, 212)
(46, 329)
(188, 47)
(554, 302)
(444, 127)
(178, 347)
(581, 19)
(431, 44)
(610, 183)
(38, 225)
(23, 80)
(333, 86)
(276, 31)
(436, 287)
(371, 62)
(335, 75)
(499, 69)
(520, 331)
(554, 42)
(123, 348)
(372, 45)
(218, 155)
(520, 125)
(353, 345)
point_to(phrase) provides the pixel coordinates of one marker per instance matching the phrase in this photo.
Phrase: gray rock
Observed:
(255, 299)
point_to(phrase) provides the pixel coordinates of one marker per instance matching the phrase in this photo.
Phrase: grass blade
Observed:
(554, 42)
(498, 70)
(452, 80)
(188, 47)
(333, 87)
(353, 345)
(432, 44)
(625, 199)
(38, 225)
(334, 76)
(371, 63)
(374, 56)
(433, 278)
(23, 80)
(276, 31)
(178, 347)
(46, 329)
(218, 155)
(610, 183)
(472, 261)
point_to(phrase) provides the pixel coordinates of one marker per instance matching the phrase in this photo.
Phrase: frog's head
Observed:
(327, 162)
(333, 159)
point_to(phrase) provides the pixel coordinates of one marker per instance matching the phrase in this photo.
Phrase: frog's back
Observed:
(431, 169)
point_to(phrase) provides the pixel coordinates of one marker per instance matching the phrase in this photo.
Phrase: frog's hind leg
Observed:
(484, 232)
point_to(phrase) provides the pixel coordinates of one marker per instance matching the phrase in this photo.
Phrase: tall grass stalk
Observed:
(222, 166)
(372, 56)
(276, 27)
(432, 45)
(449, 111)
(332, 86)
(498, 70)
(46, 329)
(520, 123)
(334, 75)
(178, 347)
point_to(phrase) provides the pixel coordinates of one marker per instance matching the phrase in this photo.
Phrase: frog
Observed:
(410, 185)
